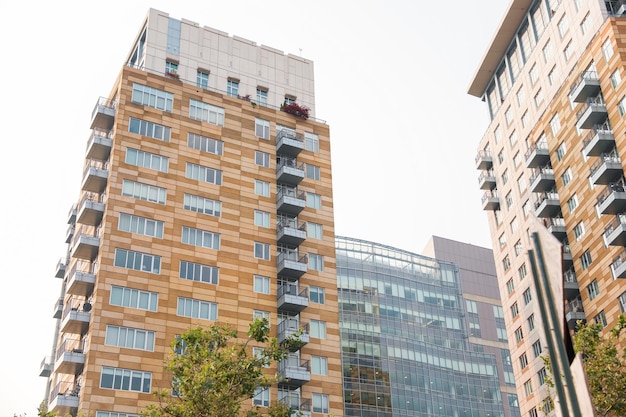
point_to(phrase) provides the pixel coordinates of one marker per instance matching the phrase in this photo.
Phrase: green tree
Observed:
(213, 373)
(605, 366)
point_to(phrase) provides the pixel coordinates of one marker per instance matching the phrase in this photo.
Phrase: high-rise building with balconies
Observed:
(552, 80)
(205, 197)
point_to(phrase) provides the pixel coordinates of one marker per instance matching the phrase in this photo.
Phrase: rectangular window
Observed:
(261, 218)
(563, 25)
(197, 309)
(132, 298)
(311, 142)
(593, 289)
(533, 74)
(232, 88)
(537, 349)
(568, 51)
(547, 51)
(523, 360)
(509, 199)
(204, 174)
(521, 96)
(572, 203)
(261, 284)
(262, 251)
(506, 263)
(200, 238)
(518, 248)
(561, 151)
(607, 49)
(615, 78)
(202, 205)
(125, 379)
(514, 310)
(531, 322)
(552, 75)
(319, 365)
(533, 413)
(600, 319)
(144, 192)
(171, 69)
(149, 129)
(519, 335)
(318, 329)
(505, 177)
(198, 272)
(517, 159)
(152, 97)
(585, 260)
(147, 160)
(508, 115)
(140, 225)
(205, 112)
(127, 337)
(316, 262)
(205, 144)
(312, 172)
(317, 295)
(538, 98)
(262, 159)
(262, 188)
(622, 302)
(555, 124)
(527, 296)
(501, 156)
(522, 272)
(261, 397)
(314, 230)
(261, 96)
(513, 225)
(541, 376)
(510, 286)
(502, 240)
(528, 387)
(262, 128)
(320, 403)
(202, 79)
(566, 177)
(313, 200)
(137, 260)
(621, 106)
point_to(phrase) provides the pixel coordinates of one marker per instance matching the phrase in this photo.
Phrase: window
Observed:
(311, 142)
(316, 294)
(261, 315)
(205, 112)
(615, 78)
(149, 129)
(585, 260)
(521, 183)
(526, 209)
(533, 74)
(498, 312)
(125, 379)
(171, 69)
(528, 297)
(514, 310)
(262, 251)
(289, 99)
(552, 75)
(542, 375)
(600, 319)
(523, 360)
(572, 203)
(508, 115)
(319, 365)
(147, 160)
(316, 262)
(204, 174)
(519, 335)
(528, 387)
(261, 218)
(497, 134)
(533, 413)
(262, 128)
(521, 96)
(579, 231)
(497, 214)
(568, 51)
(517, 160)
(112, 414)
(262, 188)
(563, 25)
(144, 192)
(137, 260)
(538, 99)
(202, 205)
(320, 403)
(524, 119)
(561, 151)
(547, 51)
(132, 298)
(261, 284)
(509, 200)
(593, 289)
(621, 106)
(502, 240)
(513, 225)
(261, 96)
(555, 124)
(198, 272)
(202, 79)
(314, 230)
(200, 238)
(566, 177)
(206, 144)
(531, 322)
(472, 306)
(262, 159)
(505, 177)
(232, 87)
(622, 301)
(152, 97)
(140, 225)
(537, 349)
(501, 156)
(127, 337)
(318, 329)
(518, 248)
(506, 263)
(510, 286)
(261, 397)
(197, 309)
(522, 272)
(313, 200)
(607, 49)
(312, 172)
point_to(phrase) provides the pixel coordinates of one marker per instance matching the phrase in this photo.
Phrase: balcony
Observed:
(490, 200)
(71, 216)
(293, 372)
(291, 298)
(290, 232)
(537, 155)
(288, 171)
(289, 143)
(593, 112)
(599, 140)
(291, 327)
(547, 205)
(76, 316)
(103, 114)
(484, 160)
(615, 231)
(607, 169)
(295, 403)
(570, 284)
(95, 177)
(57, 311)
(291, 264)
(45, 369)
(568, 260)
(613, 199)
(618, 266)
(85, 246)
(79, 282)
(59, 271)
(574, 312)
(70, 358)
(64, 398)
(542, 180)
(587, 85)
(487, 180)
(290, 201)
(99, 145)
(90, 210)
(69, 234)
(556, 226)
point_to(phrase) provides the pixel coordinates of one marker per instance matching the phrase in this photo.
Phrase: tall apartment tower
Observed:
(200, 202)
(552, 81)
(411, 342)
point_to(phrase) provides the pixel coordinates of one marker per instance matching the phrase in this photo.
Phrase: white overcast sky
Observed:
(391, 80)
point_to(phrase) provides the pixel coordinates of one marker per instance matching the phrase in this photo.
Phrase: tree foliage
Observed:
(213, 373)
(605, 365)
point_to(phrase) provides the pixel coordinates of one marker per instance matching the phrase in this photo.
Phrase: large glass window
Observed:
(318, 329)
(202, 205)
(206, 144)
(151, 97)
(206, 112)
(144, 192)
(129, 338)
(140, 225)
(137, 260)
(198, 272)
(125, 379)
(319, 365)
(320, 403)
(200, 238)
(197, 309)
(149, 129)
(132, 298)
(202, 173)
(147, 160)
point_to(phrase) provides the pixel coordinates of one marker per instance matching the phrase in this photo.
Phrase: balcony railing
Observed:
(103, 114)
(290, 201)
(64, 398)
(290, 263)
(59, 271)
(542, 179)
(70, 357)
(80, 280)
(587, 84)
(483, 160)
(487, 180)
(612, 200)
(618, 266)
(46, 367)
(289, 171)
(592, 112)
(606, 169)
(292, 327)
(99, 144)
(290, 231)
(600, 139)
(537, 155)
(292, 298)
(95, 176)
(288, 142)
(91, 209)
(547, 204)
(490, 200)
(293, 371)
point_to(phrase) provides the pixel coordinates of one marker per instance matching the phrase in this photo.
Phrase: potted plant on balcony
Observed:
(296, 109)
